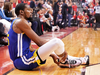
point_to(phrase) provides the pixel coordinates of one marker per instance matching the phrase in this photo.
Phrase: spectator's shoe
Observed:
(70, 63)
(2, 42)
(3, 35)
(85, 60)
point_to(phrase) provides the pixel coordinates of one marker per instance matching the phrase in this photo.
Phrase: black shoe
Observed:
(2, 42)
(3, 35)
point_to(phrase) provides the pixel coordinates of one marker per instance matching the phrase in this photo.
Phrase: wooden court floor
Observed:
(83, 41)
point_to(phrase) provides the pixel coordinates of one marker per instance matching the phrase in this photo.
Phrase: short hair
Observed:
(64, 1)
(20, 6)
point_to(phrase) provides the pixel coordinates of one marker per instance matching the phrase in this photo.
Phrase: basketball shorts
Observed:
(28, 62)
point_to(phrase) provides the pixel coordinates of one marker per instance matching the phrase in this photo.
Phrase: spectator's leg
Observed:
(69, 19)
(54, 17)
(34, 25)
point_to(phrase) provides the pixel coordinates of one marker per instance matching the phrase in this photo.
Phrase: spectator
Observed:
(64, 12)
(40, 4)
(97, 16)
(59, 20)
(20, 1)
(39, 30)
(2, 14)
(74, 6)
(47, 5)
(26, 1)
(91, 13)
(3, 17)
(70, 12)
(15, 2)
(55, 11)
(45, 21)
(32, 4)
(74, 19)
(81, 19)
(86, 18)
(7, 9)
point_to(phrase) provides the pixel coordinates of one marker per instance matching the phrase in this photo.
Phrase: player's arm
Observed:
(24, 26)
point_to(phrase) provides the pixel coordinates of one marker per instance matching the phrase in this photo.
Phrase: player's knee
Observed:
(58, 42)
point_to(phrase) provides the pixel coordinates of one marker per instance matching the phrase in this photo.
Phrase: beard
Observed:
(30, 19)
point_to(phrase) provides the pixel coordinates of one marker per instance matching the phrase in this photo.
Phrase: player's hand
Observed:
(55, 58)
(64, 57)
(30, 24)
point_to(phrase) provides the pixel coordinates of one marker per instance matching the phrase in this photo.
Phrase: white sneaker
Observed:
(71, 63)
(85, 60)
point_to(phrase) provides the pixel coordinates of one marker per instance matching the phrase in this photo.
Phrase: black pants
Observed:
(46, 27)
(1, 29)
(55, 18)
(38, 29)
(64, 20)
(60, 24)
(97, 17)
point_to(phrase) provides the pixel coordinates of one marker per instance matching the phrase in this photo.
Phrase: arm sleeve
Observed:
(4, 17)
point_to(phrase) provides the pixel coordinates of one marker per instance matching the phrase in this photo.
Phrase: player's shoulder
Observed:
(20, 22)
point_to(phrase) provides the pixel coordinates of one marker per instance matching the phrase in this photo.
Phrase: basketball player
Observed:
(21, 52)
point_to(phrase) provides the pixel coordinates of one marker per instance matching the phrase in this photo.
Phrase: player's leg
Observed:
(57, 46)
(26, 62)
(54, 45)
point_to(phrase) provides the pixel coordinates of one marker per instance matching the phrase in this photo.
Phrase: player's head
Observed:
(24, 10)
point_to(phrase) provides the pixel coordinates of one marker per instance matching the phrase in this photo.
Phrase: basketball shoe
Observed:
(71, 63)
(85, 60)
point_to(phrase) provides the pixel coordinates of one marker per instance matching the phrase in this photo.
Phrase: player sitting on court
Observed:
(24, 56)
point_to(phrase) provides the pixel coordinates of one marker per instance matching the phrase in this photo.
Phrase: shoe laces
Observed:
(71, 61)
(84, 60)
